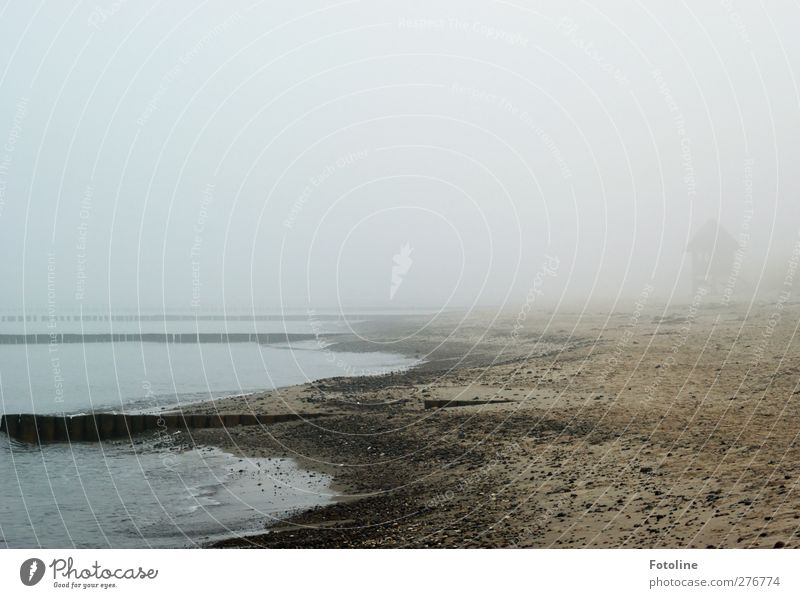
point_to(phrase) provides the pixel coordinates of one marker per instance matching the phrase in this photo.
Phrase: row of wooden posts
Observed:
(446, 403)
(60, 338)
(93, 427)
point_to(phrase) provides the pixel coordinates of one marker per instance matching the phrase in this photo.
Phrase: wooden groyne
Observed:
(444, 404)
(94, 427)
(194, 317)
(150, 337)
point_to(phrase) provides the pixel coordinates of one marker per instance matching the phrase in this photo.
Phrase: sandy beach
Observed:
(640, 428)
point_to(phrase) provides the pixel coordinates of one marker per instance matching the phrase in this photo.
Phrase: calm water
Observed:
(74, 377)
(88, 496)
(108, 496)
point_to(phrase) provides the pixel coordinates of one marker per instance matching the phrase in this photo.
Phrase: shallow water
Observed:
(107, 495)
(77, 377)
(104, 496)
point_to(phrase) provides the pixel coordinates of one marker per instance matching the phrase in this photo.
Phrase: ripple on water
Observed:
(88, 496)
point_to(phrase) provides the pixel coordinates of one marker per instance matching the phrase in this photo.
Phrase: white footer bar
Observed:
(332, 573)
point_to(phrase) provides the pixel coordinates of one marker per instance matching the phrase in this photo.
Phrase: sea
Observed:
(115, 495)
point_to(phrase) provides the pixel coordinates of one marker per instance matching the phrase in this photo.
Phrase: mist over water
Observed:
(263, 156)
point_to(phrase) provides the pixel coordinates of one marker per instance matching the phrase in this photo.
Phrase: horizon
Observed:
(388, 155)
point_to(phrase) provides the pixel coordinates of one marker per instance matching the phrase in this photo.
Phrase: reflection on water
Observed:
(110, 496)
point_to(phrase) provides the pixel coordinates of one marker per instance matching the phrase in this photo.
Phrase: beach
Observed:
(641, 427)
(155, 490)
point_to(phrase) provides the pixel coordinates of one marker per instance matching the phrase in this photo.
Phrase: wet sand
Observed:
(641, 428)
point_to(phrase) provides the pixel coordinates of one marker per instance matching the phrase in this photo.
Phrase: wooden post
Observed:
(91, 432)
(27, 429)
(105, 425)
(230, 420)
(200, 421)
(136, 424)
(46, 425)
(12, 425)
(75, 425)
(61, 433)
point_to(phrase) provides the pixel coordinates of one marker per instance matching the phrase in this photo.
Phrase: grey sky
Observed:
(263, 155)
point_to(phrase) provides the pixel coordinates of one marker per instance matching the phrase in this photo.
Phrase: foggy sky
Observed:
(290, 155)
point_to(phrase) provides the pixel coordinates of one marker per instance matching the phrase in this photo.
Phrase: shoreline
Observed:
(222, 438)
(604, 441)
(356, 396)
(654, 429)
(172, 441)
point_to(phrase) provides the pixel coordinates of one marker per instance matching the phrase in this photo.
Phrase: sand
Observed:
(644, 427)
